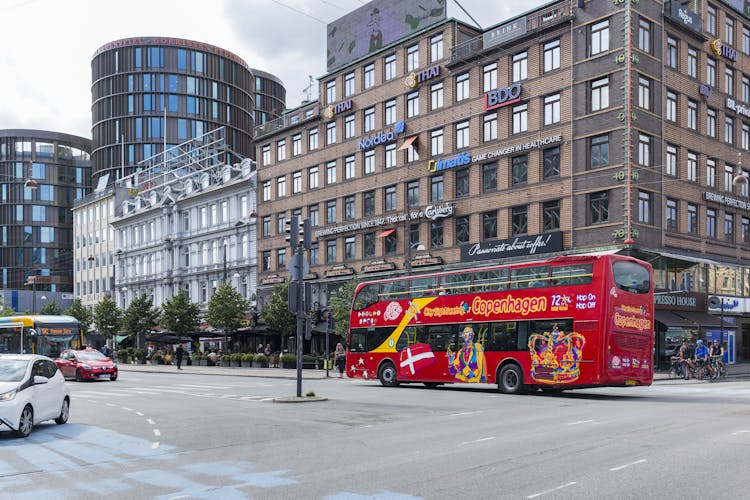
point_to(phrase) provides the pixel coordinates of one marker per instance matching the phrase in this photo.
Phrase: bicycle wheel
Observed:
(674, 372)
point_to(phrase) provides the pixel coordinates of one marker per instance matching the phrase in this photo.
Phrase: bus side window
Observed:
(408, 337)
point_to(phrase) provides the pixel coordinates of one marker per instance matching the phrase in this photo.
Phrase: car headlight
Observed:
(114, 365)
(86, 367)
(7, 396)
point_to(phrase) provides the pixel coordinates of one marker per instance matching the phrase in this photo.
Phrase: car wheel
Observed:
(112, 378)
(511, 379)
(64, 412)
(79, 377)
(387, 375)
(25, 423)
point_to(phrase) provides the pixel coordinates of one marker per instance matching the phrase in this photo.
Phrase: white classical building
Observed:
(187, 222)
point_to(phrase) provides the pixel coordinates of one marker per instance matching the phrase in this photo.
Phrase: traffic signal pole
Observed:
(297, 299)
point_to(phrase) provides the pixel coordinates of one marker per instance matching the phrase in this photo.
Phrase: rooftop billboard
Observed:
(376, 25)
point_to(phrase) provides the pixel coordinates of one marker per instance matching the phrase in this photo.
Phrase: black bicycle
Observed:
(675, 367)
(719, 369)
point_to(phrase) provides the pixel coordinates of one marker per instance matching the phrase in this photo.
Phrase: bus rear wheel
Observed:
(387, 375)
(510, 380)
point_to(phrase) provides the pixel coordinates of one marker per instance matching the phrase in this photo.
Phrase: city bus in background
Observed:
(47, 335)
(567, 322)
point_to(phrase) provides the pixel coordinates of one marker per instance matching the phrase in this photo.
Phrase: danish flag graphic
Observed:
(416, 357)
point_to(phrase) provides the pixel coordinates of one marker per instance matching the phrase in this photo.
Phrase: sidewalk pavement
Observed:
(738, 370)
(235, 371)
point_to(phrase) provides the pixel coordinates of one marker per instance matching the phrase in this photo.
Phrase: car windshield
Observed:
(91, 356)
(12, 370)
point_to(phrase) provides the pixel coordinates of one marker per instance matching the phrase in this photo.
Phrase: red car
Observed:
(88, 364)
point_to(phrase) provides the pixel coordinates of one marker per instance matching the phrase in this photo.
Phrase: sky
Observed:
(48, 45)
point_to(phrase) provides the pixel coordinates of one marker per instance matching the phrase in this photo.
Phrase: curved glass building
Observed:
(151, 93)
(41, 174)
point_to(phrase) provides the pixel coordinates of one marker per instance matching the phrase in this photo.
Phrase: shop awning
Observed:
(701, 319)
(385, 233)
(408, 142)
(671, 319)
(120, 338)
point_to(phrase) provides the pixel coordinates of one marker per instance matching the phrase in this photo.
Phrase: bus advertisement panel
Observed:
(567, 322)
(47, 335)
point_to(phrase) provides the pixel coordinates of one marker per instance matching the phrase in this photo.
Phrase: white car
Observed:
(32, 390)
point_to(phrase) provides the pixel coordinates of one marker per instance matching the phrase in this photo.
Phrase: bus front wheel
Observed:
(387, 375)
(510, 380)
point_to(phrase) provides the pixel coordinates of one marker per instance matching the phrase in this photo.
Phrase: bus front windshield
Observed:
(631, 277)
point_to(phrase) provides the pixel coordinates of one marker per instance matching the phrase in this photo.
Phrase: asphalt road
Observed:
(183, 435)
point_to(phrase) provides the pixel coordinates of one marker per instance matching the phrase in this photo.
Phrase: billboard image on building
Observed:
(376, 25)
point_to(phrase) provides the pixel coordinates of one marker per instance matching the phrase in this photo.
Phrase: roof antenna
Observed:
(308, 90)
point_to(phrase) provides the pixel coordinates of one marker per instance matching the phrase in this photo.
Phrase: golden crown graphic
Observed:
(555, 356)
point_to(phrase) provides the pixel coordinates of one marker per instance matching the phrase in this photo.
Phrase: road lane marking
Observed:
(154, 445)
(140, 414)
(478, 440)
(464, 413)
(551, 490)
(150, 421)
(157, 432)
(739, 432)
(578, 422)
(615, 469)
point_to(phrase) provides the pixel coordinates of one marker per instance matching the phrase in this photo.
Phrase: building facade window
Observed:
(462, 182)
(489, 225)
(369, 162)
(599, 37)
(390, 198)
(489, 177)
(462, 135)
(551, 162)
(312, 178)
(692, 218)
(672, 51)
(436, 188)
(369, 120)
(519, 220)
(462, 87)
(390, 156)
(519, 169)
(520, 70)
(728, 130)
(644, 150)
(599, 94)
(710, 223)
(599, 207)
(711, 72)
(692, 115)
(330, 173)
(389, 67)
(463, 230)
(644, 35)
(412, 193)
(330, 92)
(692, 167)
(331, 133)
(729, 227)
(348, 84)
(350, 211)
(520, 118)
(350, 169)
(349, 127)
(644, 93)
(368, 203)
(436, 142)
(671, 166)
(692, 62)
(436, 48)
(389, 111)
(436, 96)
(489, 128)
(551, 55)
(551, 215)
(296, 182)
(600, 151)
(671, 214)
(412, 104)
(711, 122)
(489, 73)
(710, 172)
(368, 76)
(645, 208)
(312, 139)
(412, 58)
(330, 211)
(552, 109)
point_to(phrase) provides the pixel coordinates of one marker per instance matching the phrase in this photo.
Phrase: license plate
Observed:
(105, 376)
(630, 382)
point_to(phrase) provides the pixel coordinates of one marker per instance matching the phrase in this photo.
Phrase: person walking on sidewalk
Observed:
(340, 356)
(179, 352)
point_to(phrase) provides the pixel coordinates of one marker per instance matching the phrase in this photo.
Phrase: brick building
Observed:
(576, 127)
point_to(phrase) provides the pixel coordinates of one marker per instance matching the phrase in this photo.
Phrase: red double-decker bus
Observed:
(563, 323)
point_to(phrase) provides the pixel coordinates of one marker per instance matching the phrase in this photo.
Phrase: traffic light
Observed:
(318, 317)
(329, 320)
(291, 226)
(305, 232)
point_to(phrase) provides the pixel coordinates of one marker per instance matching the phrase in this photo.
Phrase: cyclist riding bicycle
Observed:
(717, 350)
(683, 357)
(702, 355)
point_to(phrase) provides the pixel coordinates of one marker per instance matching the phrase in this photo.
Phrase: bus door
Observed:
(426, 360)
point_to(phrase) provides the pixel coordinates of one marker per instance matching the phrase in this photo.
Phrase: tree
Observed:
(276, 313)
(341, 306)
(180, 315)
(226, 309)
(82, 314)
(51, 308)
(140, 317)
(107, 317)
(5, 309)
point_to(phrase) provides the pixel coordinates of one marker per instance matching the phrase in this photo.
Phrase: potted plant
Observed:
(288, 360)
(247, 359)
(157, 359)
(140, 355)
(260, 361)
(236, 359)
(309, 361)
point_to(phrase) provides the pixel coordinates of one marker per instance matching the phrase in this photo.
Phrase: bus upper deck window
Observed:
(631, 277)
